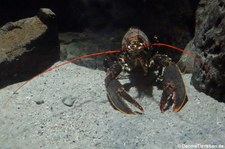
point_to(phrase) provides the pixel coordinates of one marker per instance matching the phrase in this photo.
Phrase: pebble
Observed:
(38, 102)
(68, 101)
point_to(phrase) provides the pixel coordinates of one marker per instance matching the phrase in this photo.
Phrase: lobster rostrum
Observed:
(137, 52)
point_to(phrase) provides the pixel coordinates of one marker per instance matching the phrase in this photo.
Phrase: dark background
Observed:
(77, 15)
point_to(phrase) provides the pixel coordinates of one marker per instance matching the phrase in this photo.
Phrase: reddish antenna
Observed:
(102, 53)
(64, 63)
(67, 62)
(178, 49)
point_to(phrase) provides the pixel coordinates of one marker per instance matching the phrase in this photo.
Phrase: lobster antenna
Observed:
(64, 63)
(102, 53)
(178, 49)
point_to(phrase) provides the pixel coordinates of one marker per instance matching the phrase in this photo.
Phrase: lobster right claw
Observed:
(173, 88)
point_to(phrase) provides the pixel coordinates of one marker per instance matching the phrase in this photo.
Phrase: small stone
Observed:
(46, 15)
(38, 102)
(68, 101)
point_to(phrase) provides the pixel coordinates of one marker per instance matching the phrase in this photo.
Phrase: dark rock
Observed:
(78, 44)
(39, 102)
(28, 46)
(209, 44)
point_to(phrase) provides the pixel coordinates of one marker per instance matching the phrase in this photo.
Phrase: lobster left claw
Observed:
(116, 93)
(173, 88)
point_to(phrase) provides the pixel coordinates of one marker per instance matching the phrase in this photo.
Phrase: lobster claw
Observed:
(117, 95)
(173, 88)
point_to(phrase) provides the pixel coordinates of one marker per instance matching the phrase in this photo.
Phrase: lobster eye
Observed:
(135, 46)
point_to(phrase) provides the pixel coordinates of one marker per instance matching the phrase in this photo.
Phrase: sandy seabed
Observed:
(37, 116)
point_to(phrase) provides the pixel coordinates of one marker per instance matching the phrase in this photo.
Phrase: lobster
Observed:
(137, 53)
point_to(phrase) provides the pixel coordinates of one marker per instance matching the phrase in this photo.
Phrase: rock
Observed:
(68, 101)
(209, 44)
(186, 62)
(39, 102)
(47, 16)
(78, 44)
(28, 46)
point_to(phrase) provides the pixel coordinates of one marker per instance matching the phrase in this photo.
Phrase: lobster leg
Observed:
(173, 87)
(116, 93)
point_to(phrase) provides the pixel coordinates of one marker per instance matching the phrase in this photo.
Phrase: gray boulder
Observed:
(28, 46)
(208, 44)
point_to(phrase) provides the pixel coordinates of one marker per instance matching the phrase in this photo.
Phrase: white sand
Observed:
(92, 123)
